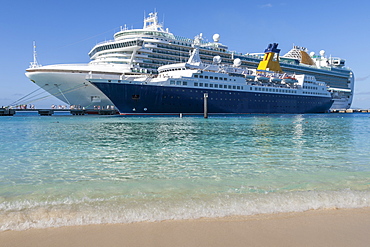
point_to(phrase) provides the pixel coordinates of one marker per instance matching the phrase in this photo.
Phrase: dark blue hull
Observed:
(148, 99)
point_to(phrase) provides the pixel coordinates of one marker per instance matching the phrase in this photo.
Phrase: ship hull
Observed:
(151, 99)
(70, 85)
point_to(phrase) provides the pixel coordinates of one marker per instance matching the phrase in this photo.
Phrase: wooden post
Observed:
(205, 96)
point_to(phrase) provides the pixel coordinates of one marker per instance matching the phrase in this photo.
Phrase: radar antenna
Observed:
(34, 64)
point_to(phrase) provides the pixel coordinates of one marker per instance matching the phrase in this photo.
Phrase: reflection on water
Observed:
(120, 148)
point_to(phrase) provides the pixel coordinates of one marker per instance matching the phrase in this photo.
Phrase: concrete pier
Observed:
(108, 112)
(50, 112)
(7, 112)
(78, 112)
(46, 112)
(349, 110)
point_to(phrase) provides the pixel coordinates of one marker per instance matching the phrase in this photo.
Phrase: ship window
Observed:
(196, 76)
(225, 86)
(185, 83)
(216, 78)
(195, 84)
(225, 79)
(211, 77)
(178, 82)
(234, 87)
(216, 85)
(200, 84)
(206, 84)
(206, 77)
(210, 85)
(229, 87)
(200, 76)
(172, 82)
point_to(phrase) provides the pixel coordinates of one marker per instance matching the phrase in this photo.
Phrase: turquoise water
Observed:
(77, 170)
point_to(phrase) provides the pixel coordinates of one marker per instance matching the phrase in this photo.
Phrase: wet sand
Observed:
(332, 227)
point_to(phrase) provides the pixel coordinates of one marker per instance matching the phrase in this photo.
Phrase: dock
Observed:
(7, 112)
(50, 112)
(81, 112)
(349, 110)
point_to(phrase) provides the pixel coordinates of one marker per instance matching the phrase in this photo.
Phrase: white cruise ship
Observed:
(142, 51)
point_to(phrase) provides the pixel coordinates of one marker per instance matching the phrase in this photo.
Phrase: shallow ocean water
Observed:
(77, 170)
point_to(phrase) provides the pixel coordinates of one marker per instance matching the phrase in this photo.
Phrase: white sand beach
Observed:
(332, 227)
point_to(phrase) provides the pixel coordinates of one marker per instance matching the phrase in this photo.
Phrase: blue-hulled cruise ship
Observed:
(183, 87)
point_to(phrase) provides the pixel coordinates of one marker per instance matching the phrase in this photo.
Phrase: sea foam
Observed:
(24, 215)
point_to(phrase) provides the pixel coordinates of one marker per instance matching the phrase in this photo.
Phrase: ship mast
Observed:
(34, 64)
(151, 23)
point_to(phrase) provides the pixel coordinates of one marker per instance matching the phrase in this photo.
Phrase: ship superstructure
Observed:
(141, 51)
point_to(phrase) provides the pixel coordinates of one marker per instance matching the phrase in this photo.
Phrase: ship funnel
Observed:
(270, 61)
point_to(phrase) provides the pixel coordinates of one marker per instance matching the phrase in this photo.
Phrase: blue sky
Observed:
(65, 31)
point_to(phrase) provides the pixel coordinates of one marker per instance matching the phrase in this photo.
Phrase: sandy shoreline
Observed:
(343, 227)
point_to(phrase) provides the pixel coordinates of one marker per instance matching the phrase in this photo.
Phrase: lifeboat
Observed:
(275, 79)
(262, 78)
(250, 77)
(289, 80)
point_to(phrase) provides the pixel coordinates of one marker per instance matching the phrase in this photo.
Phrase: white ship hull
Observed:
(68, 83)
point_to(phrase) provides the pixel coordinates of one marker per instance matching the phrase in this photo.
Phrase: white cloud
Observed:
(362, 78)
(268, 5)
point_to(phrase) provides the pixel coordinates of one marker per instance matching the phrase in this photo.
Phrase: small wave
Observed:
(24, 215)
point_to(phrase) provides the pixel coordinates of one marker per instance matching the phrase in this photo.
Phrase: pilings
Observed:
(205, 96)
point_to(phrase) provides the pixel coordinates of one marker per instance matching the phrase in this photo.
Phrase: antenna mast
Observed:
(34, 64)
